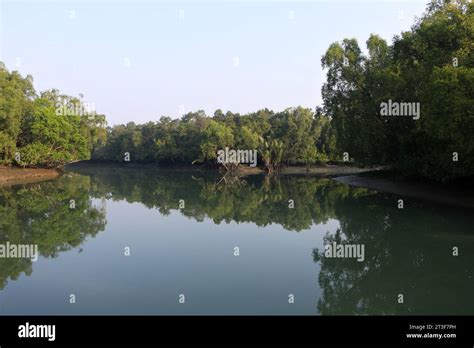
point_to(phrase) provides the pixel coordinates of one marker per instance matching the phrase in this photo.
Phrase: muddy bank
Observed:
(14, 176)
(328, 169)
(456, 196)
(320, 170)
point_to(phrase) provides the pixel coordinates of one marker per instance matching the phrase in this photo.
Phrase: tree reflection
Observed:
(41, 214)
(256, 199)
(407, 252)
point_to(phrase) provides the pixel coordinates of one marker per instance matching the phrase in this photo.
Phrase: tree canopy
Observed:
(34, 130)
(302, 135)
(431, 64)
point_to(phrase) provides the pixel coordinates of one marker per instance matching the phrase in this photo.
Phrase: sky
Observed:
(140, 60)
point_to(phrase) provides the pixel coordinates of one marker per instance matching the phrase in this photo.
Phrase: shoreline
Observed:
(10, 176)
(376, 178)
(346, 174)
(453, 196)
(322, 169)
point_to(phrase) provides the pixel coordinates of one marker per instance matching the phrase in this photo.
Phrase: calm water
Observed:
(190, 250)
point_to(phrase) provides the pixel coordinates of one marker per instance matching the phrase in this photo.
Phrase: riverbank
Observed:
(372, 178)
(452, 195)
(14, 175)
(320, 170)
(375, 177)
(329, 169)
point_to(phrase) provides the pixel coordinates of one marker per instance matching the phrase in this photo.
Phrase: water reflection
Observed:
(257, 199)
(41, 214)
(407, 251)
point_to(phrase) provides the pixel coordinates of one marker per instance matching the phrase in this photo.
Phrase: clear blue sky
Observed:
(138, 60)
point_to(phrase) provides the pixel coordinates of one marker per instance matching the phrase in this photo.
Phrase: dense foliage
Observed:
(291, 136)
(433, 65)
(35, 130)
(430, 65)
